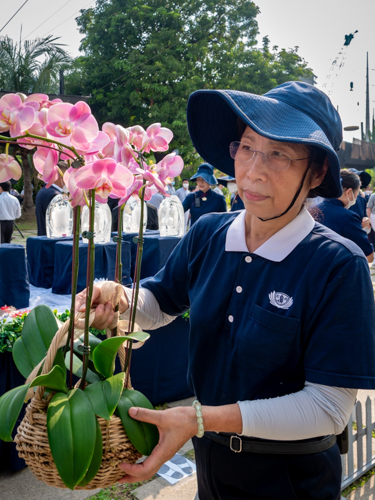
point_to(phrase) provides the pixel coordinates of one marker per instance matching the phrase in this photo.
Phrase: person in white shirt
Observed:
(181, 194)
(10, 209)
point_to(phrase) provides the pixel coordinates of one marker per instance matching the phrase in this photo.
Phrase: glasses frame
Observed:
(232, 146)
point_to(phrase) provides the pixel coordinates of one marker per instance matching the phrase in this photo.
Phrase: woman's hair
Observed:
(5, 186)
(317, 158)
(349, 180)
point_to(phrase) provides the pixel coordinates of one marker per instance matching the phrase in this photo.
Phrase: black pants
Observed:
(225, 475)
(6, 230)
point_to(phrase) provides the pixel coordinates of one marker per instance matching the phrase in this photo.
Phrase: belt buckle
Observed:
(231, 444)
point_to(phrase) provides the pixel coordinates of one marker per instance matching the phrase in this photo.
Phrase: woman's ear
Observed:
(318, 177)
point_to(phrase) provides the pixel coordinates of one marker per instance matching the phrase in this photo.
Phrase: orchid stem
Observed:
(89, 285)
(118, 271)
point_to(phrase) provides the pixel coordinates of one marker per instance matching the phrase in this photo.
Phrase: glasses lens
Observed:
(241, 152)
(276, 159)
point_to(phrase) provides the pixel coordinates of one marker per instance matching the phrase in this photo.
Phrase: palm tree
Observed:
(28, 68)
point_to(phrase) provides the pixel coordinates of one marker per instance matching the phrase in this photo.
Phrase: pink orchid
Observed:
(99, 148)
(14, 115)
(45, 161)
(76, 193)
(73, 125)
(9, 168)
(42, 101)
(137, 136)
(107, 177)
(158, 138)
(133, 189)
(170, 166)
(152, 179)
(38, 128)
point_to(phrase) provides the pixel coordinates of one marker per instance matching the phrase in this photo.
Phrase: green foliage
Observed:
(96, 458)
(143, 436)
(104, 395)
(142, 60)
(55, 380)
(10, 331)
(10, 407)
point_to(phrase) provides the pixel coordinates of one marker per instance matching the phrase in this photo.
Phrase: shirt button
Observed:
(239, 289)
(230, 319)
(248, 259)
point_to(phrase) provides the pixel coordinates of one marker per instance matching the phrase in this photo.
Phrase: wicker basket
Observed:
(32, 438)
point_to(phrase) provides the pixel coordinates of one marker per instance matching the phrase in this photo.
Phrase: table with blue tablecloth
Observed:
(41, 259)
(105, 264)
(14, 281)
(156, 250)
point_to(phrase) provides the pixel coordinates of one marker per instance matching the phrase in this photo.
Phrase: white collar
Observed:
(276, 248)
(57, 187)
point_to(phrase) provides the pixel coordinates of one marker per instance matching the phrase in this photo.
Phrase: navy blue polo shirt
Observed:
(209, 202)
(236, 203)
(300, 308)
(359, 207)
(348, 224)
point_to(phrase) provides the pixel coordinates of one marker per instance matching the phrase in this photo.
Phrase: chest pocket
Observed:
(265, 342)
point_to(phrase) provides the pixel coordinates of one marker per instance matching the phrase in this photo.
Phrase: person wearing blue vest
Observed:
(334, 214)
(235, 201)
(282, 309)
(204, 201)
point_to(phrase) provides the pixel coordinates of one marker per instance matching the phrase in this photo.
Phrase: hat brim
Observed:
(212, 122)
(224, 180)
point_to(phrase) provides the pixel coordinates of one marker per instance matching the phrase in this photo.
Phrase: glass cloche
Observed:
(59, 217)
(132, 215)
(171, 217)
(102, 225)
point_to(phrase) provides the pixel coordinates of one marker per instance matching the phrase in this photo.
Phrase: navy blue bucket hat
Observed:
(224, 180)
(292, 112)
(364, 176)
(205, 171)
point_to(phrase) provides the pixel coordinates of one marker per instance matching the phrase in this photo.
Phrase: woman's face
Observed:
(202, 185)
(267, 192)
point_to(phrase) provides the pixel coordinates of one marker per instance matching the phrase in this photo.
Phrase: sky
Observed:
(317, 27)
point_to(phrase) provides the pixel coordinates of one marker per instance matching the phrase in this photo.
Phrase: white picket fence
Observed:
(361, 456)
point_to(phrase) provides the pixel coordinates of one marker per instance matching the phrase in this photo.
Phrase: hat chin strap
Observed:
(294, 198)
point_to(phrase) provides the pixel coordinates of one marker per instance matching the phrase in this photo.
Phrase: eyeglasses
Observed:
(276, 160)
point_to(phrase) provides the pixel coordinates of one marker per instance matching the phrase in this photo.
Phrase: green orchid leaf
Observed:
(37, 333)
(71, 427)
(10, 408)
(54, 380)
(142, 435)
(104, 356)
(105, 395)
(96, 458)
(93, 343)
(91, 376)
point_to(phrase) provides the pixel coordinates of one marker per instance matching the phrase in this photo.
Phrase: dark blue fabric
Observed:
(236, 203)
(41, 259)
(205, 171)
(105, 263)
(10, 378)
(292, 112)
(14, 280)
(224, 475)
(42, 200)
(156, 250)
(159, 368)
(267, 351)
(360, 207)
(344, 222)
(214, 203)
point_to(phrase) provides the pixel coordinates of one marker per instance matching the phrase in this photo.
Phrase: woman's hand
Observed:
(176, 426)
(104, 313)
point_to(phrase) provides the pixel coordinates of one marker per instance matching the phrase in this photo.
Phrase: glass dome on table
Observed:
(132, 215)
(171, 217)
(59, 217)
(102, 225)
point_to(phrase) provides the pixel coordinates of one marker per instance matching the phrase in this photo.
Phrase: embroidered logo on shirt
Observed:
(280, 300)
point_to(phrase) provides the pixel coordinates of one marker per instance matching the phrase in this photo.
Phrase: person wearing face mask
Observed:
(235, 201)
(335, 214)
(205, 200)
(183, 191)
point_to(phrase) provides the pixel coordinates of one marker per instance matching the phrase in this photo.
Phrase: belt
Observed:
(251, 445)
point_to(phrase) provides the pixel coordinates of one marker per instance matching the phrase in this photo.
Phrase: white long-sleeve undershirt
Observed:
(316, 410)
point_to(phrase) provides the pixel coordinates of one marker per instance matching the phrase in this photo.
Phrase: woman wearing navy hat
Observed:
(204, 201)
(281, 308)
(235, 201)
(334, 214)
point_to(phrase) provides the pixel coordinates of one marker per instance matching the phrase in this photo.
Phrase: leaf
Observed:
(143, 436)
(105, 395)
(38, 331)
(71, 426)
(11, 404)
(91, 376)
(104, 356)
(55, 380)
(96, 458)
(93, 343)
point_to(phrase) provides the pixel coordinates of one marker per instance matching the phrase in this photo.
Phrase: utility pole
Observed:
(367, 105)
